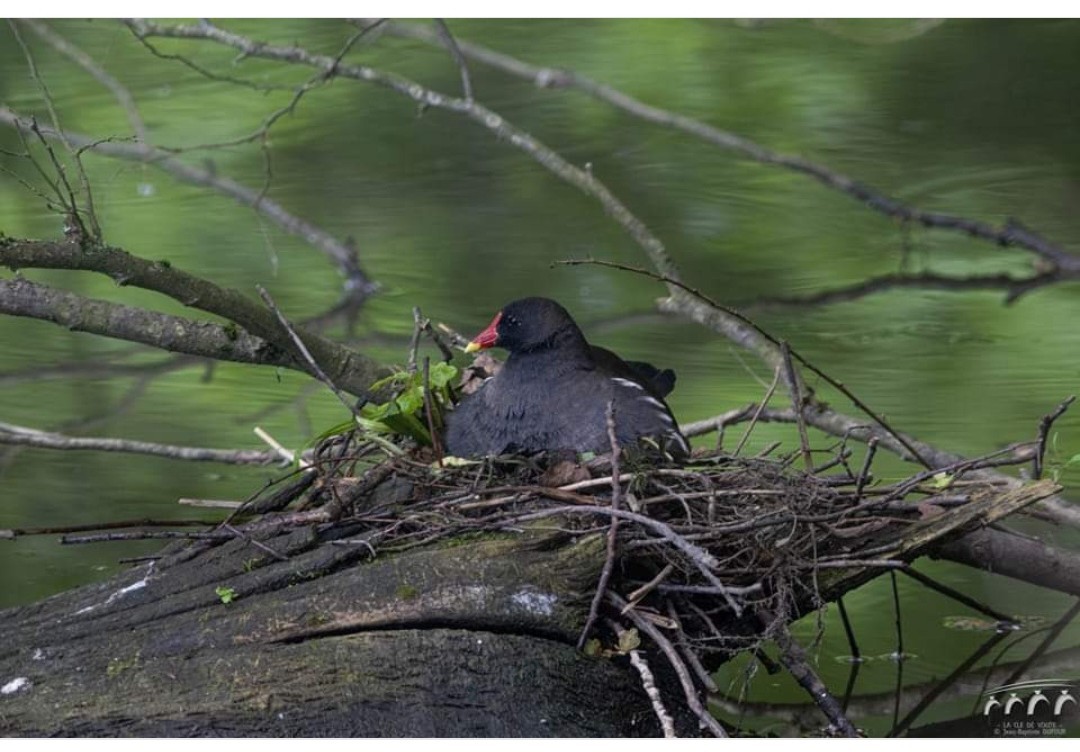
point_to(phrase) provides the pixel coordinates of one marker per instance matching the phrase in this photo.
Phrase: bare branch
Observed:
(343, 254)
(23, 436)
(350, 370)
(451, 44)
(305, 353)
(91, 66)
(612, 534)
(93, 232)
(1012, 233)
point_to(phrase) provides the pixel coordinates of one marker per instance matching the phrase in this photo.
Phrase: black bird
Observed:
(553, 391)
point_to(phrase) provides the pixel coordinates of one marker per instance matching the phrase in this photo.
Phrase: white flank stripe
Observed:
(629, 383)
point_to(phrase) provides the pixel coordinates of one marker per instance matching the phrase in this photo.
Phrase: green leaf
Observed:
(458, 462)
(226, 594)
(941, 480)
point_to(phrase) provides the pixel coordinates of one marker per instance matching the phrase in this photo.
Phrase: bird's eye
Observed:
(511, 320)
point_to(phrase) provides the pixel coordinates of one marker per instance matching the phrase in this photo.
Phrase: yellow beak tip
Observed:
(472, 347)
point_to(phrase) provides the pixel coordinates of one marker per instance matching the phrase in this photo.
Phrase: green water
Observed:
(966, 117)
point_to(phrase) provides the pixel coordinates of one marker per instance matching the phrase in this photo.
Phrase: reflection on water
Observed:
(449, 218)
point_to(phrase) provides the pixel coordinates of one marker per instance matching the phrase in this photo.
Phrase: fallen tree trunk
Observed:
(470, 640)
(380, 607)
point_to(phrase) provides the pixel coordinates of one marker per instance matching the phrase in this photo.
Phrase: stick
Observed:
(305, 353)
(455, 52)
(797, 404)
(757, 413)
(613, 530)
(677, 663)
(1044, 430)
(795, 661)
(24, 436)
(648, 683)
(956, 595)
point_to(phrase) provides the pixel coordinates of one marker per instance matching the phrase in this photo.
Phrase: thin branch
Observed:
(612, 534)
(796, 662)
(305, 353)
(648, 683)
(114, 525)
(849, 632)
(757, 412)
(22, 436)
(672, 654)
(459, 59)
(92, 67)
(341, 253)
(93, 232)
(348, 369)
(1014, 287)
(1012, 233)
(957, 596)
(1045, 424)
(797, 405)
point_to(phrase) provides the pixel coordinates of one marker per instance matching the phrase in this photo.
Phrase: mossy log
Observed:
(307, 629)
(466, 640)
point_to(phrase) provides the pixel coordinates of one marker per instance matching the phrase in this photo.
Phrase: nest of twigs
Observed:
(711, 556)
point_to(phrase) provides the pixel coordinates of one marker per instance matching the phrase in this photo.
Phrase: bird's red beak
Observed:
(487, 338)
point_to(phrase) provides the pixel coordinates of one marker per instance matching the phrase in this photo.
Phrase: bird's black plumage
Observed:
(553, 391)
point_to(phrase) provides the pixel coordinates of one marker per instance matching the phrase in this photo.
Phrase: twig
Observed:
(305, 353)
(898, 620)
(638, 594)
(113, 525)
(864, 472)
(703, 676)
(853, 644)
(1014, 287)
(1011, 233)
(613, 530)
(757, 412)
(936, 691)
(772, 354)
(21, 435)
(91, 66)
(956, 595)
(258, 544)
(1045, 423)
(210, 503)
(717, 422)
(414, 343)
(795, 661)
(343, 254)
(93, 232)
(797, 404)
(677, 663)
(648, 683)
(68, 540)
(459, 59)
(433, 431)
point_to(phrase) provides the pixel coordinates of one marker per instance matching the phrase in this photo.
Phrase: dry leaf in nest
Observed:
(483, 367)
(563, 473)
(928, 510)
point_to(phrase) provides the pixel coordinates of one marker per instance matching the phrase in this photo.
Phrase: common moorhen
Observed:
(553, 391)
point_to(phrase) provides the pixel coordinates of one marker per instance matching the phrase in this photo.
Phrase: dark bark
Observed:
(470, 640)
(1014, 556)
(347, 369)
